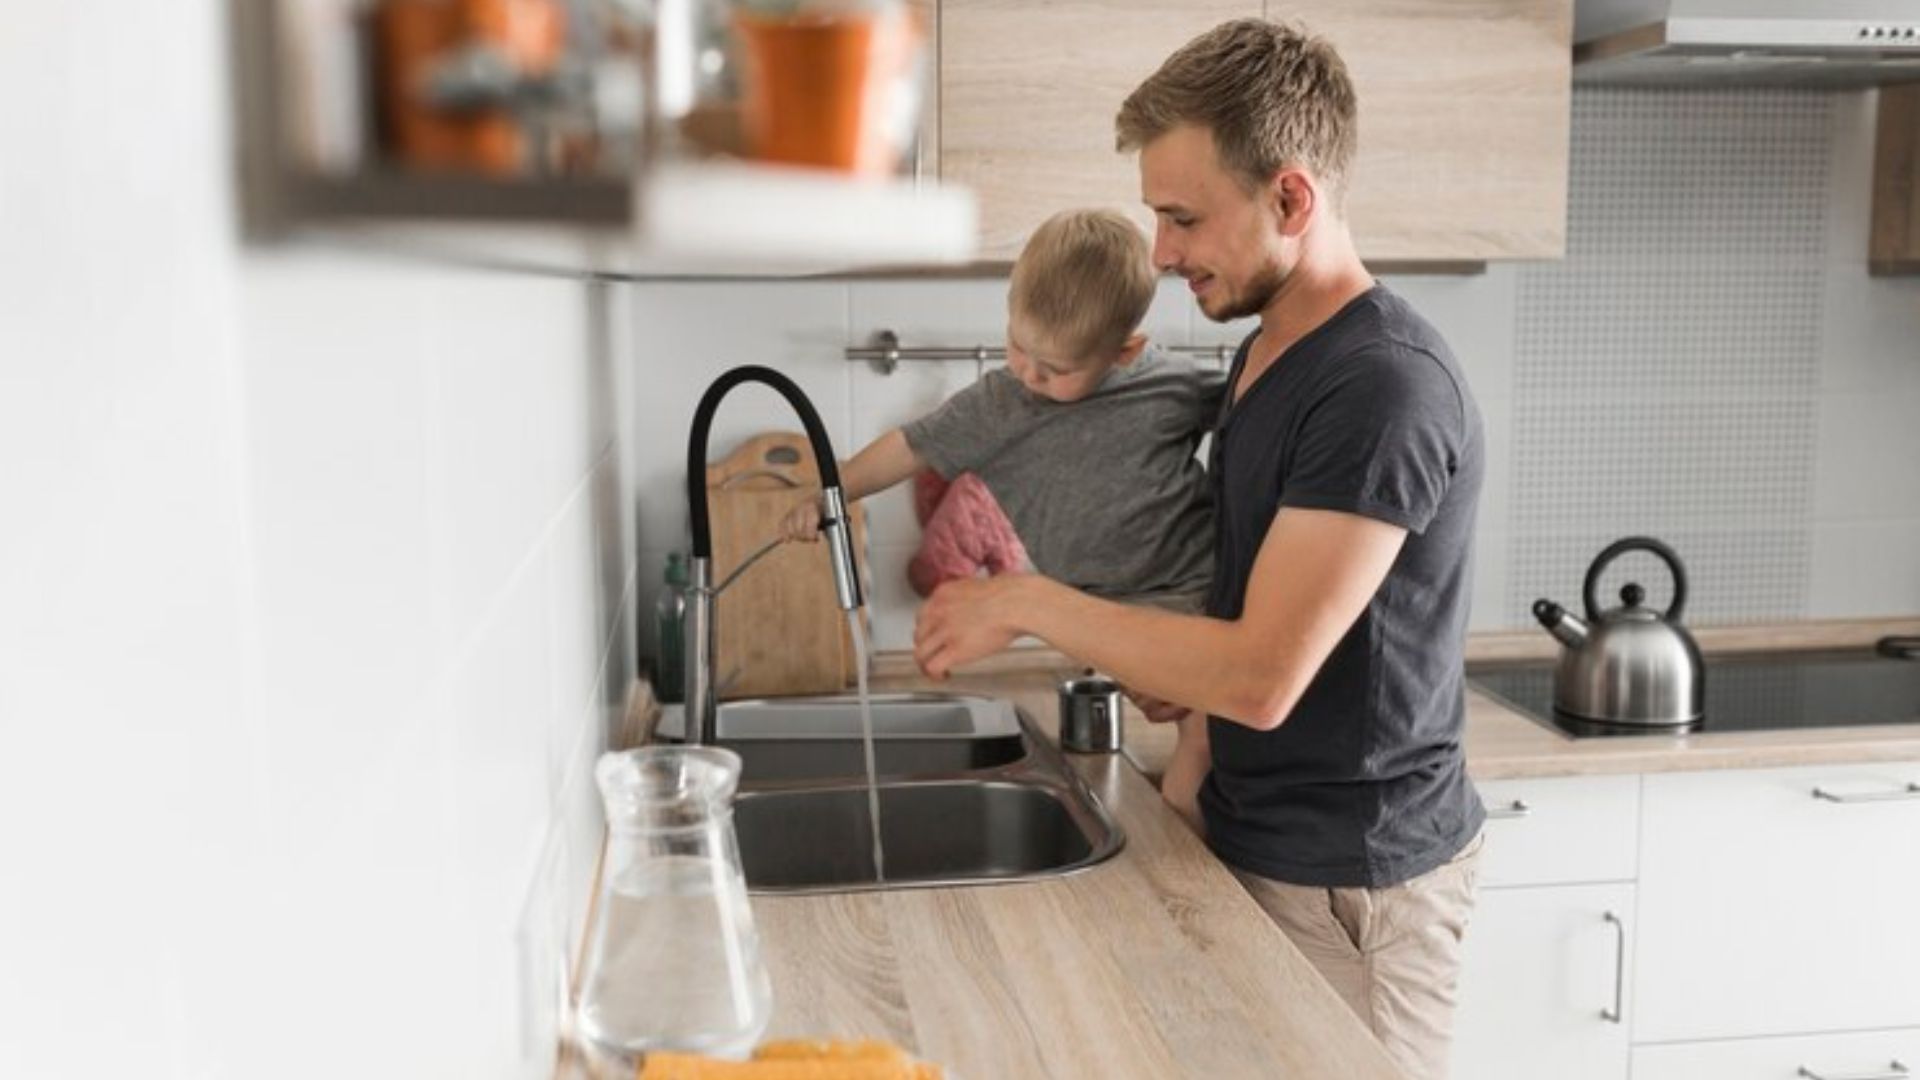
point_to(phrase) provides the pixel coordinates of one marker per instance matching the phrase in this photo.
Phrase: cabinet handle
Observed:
(1894, 1071)
(1911, 791)
(1615, 1014)
(1516, 808)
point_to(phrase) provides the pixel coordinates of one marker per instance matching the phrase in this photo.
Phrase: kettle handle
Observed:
(1638, 543)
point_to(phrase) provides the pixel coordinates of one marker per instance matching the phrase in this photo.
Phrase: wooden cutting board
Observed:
(778, 629)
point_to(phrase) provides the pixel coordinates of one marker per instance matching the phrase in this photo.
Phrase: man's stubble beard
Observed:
(1253, 299)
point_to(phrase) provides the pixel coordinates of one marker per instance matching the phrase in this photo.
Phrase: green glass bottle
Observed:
(669, 619)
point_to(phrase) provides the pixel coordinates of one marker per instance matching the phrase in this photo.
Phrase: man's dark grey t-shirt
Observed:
(1365, 782)
(1105, 492)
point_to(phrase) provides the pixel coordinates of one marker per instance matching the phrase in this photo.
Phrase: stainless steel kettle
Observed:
(1629, 665)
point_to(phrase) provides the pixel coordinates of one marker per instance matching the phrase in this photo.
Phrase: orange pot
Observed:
(819, 90)
(415, 35)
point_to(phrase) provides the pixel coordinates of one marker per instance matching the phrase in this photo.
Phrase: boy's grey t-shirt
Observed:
(1365, 782)
(1105, 492)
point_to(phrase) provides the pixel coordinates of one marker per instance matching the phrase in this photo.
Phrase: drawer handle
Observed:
(1615, 1014)
(1894, 1071)
(1911, 791)
(1516, 809)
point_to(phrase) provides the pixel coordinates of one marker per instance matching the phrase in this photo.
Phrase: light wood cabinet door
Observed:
(1541, 967)
(1464, 122)
(1895, 242)
(1028, 93)
(1778, 900)
(1463, 114)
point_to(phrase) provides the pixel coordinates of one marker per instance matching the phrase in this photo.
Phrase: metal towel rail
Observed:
(885, 353)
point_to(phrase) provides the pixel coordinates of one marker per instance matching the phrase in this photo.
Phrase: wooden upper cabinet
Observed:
(1463, 124)
(1895, 243)
(1463, 114)
(1028, 93)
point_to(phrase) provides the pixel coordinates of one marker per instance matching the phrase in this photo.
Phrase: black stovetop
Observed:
(1745, 693)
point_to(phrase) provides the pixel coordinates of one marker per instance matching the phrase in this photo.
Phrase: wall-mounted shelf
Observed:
(670, 217)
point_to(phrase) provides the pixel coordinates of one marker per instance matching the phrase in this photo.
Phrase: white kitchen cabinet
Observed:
(1779, 901)
(1558, 831)
(1860, 1055)
(1543, 989)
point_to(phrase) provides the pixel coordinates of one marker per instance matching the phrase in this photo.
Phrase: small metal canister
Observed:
(1090, 715)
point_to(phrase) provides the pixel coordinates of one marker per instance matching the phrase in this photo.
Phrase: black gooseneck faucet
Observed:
(698, 630)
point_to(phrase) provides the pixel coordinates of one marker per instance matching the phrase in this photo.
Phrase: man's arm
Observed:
(1316, 572)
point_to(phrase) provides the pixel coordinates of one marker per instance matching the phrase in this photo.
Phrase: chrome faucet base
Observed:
(698, 645)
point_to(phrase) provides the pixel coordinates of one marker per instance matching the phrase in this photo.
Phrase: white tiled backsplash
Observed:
(1832, 528)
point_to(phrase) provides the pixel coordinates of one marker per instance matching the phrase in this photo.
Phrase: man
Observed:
(1347, 467)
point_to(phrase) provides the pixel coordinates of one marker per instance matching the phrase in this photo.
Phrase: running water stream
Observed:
(866, 738)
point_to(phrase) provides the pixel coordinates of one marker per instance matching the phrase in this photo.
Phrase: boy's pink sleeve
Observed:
(966, 533)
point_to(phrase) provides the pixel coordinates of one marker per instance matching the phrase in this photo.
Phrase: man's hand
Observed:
(966, 620)
(1155, 710)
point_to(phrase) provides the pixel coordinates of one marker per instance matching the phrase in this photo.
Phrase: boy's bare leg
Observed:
(1180, 785)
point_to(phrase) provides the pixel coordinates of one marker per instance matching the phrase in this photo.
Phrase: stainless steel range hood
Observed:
(1820, 43)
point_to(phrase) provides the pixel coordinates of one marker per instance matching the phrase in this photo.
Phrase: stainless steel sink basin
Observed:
(933, 833)
(970, 793)
(895, 716)
(788, 761)
(802, 739)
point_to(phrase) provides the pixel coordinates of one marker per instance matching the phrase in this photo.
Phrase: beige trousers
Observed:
(1392, 954)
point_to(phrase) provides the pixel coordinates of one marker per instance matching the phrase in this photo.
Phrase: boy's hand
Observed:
(1155, 710)
(802, 522)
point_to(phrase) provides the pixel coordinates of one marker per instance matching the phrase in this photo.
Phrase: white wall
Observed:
(315, 603)
(1860, 522)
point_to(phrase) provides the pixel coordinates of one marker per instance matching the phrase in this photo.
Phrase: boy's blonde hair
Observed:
(1271, 95)
(1084, 281)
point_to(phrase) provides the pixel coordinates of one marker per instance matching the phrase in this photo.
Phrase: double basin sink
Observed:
(969, 793)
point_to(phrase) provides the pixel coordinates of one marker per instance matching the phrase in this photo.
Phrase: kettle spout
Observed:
(1566, 627)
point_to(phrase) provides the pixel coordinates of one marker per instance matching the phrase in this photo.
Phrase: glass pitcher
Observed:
(673, 961)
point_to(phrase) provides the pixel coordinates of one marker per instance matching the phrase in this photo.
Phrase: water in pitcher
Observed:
(673, 960)
(676, 964)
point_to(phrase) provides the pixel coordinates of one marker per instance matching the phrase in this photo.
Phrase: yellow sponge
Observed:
(796, 1059)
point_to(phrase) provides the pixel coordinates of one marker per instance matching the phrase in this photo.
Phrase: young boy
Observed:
(1086, 439)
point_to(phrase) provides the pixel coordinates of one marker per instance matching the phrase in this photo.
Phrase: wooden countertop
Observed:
(1153, 964)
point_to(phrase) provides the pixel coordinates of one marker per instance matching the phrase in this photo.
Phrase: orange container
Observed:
(822, 90)
(413, 36)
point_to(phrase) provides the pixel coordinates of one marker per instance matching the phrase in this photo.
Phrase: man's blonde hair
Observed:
(1084, 281)
(1271, 94)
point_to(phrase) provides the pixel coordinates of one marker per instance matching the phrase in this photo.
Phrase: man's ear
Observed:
(1129, 352)
(1295, 196)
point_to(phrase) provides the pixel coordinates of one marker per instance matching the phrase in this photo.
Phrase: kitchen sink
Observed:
(933, 833)
(895, 716)
(799, 760)
(969, 793)
(801, 739)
